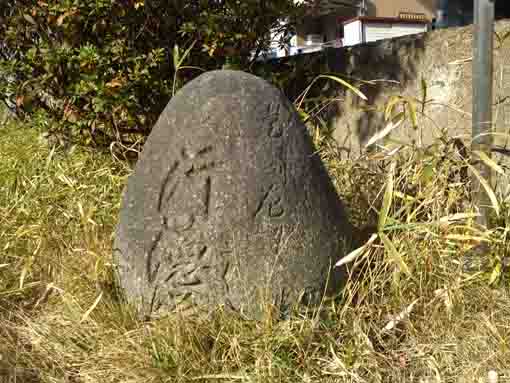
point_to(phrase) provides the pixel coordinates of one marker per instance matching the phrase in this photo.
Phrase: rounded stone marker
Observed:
(229, 205)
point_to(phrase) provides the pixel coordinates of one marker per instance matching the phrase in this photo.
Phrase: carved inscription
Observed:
(192, 268)
(277, 119)
(271, 203)
(183, 173)
(274, 119)
(180, 261)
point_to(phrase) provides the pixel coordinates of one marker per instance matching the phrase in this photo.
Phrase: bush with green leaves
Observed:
(103, 70)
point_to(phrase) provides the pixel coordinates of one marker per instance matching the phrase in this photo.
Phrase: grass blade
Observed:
(457, 217)
(388, 197)
(401, 316)
(394, 254)
(89, 311)
(185, 54)
(495, 275)
(175, 56)
(490, 162)
(346, 84)
(424, 91)
(394, 100)
(387, 130)
(467, 238)
(488, 190)
(356, 253)
(412, 113)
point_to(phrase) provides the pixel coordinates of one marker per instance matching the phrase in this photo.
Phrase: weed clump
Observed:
(412, 308)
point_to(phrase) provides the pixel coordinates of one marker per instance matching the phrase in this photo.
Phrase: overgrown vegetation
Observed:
(419, 305)
(416, 306)
(101, 72)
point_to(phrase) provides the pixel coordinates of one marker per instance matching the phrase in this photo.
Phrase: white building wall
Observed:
(380, 31)
(353, 33)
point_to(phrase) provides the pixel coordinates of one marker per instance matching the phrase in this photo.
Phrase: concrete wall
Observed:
(442, 58)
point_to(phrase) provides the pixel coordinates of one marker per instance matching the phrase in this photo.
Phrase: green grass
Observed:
(61, 319)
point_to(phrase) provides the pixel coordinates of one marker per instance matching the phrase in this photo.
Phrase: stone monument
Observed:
(229, 205)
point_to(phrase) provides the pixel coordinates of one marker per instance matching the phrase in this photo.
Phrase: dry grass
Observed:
(61, 319)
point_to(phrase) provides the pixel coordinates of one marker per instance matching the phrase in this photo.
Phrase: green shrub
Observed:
(103, 70)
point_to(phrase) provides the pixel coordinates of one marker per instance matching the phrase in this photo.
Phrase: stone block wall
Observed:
(442, 59)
